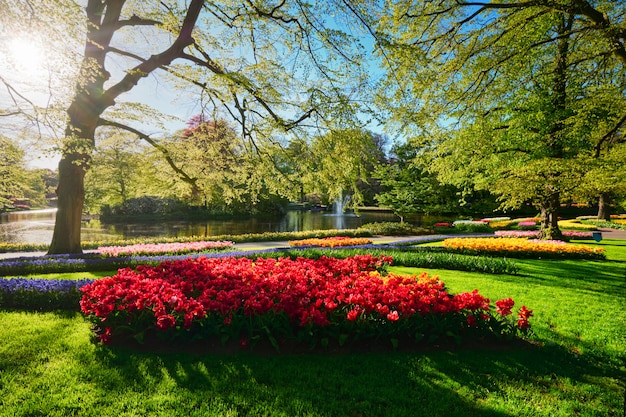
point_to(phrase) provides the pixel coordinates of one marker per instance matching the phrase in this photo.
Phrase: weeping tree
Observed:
(340, 163)
(277, 70)
(509, 97)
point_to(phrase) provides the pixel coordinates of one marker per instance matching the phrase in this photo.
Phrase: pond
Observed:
(36, 226)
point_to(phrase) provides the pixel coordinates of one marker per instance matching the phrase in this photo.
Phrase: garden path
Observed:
(606, 234)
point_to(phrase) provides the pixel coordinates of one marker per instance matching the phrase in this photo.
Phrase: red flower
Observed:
(471, 321)
(523, 315)
(393, 316)
(353, 314)
(165, 322)
(504, 306)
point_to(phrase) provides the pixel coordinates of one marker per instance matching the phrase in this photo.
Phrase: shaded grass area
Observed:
(574, 367)
(52, 369)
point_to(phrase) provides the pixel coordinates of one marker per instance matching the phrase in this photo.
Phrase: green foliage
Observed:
(145, 205)
(340, 163)
(18, 182)
(410, 187)
(471, 227)
(432, 258)
(393, 229)
(511, 101)
(121, 170)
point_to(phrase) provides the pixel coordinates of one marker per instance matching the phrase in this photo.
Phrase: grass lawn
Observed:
(574, 366)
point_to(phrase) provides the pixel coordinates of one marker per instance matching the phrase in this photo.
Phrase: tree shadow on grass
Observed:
(458, 382)
(594, 276)
(116, 380)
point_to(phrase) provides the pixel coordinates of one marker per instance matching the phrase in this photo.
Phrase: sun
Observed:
(26, 56)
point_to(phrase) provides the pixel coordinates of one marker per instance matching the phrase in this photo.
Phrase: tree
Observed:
(16, 181)
(120, 170)
(512, 95)
(11, 160)
(340, 162)
(269, 67)
(409, 187)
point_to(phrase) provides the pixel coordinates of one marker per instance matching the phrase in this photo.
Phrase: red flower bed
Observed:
(303, 299)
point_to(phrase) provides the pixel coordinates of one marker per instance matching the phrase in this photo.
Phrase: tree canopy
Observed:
(510, 97)
(276, 70)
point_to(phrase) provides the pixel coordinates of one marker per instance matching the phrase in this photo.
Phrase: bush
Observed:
(145, 205)
(472, 227)
(393, 229)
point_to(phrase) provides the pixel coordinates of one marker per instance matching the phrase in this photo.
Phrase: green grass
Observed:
(574, 366)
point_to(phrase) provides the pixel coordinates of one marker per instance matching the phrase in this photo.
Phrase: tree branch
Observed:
(164, 151)
(609, 135)
(176, 50)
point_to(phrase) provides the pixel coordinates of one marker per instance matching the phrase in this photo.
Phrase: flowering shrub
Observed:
(41, 294)
(304, 300)
(331, 242)
(177, 248)
(518, 247)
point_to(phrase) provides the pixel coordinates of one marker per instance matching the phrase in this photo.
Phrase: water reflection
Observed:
(36, 226)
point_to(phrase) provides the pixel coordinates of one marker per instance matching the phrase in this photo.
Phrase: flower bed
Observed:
(575, 225)
(518, 247)
(534, 234)
(315, 302)
(41, 294)
(331, 242)
(175, 248)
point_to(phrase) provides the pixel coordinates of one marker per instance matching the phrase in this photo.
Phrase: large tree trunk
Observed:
(604, 207)
(550, 219)
(71, 197)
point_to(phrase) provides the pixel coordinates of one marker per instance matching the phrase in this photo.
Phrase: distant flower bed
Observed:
(176, 248)
(331, 242)
(518, 247)
(527, 225)
(315, 302)
(613, 224)
(576, 225)
(534, 234)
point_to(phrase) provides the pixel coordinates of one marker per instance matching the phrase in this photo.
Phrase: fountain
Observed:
(339, 207)
(340, 203)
